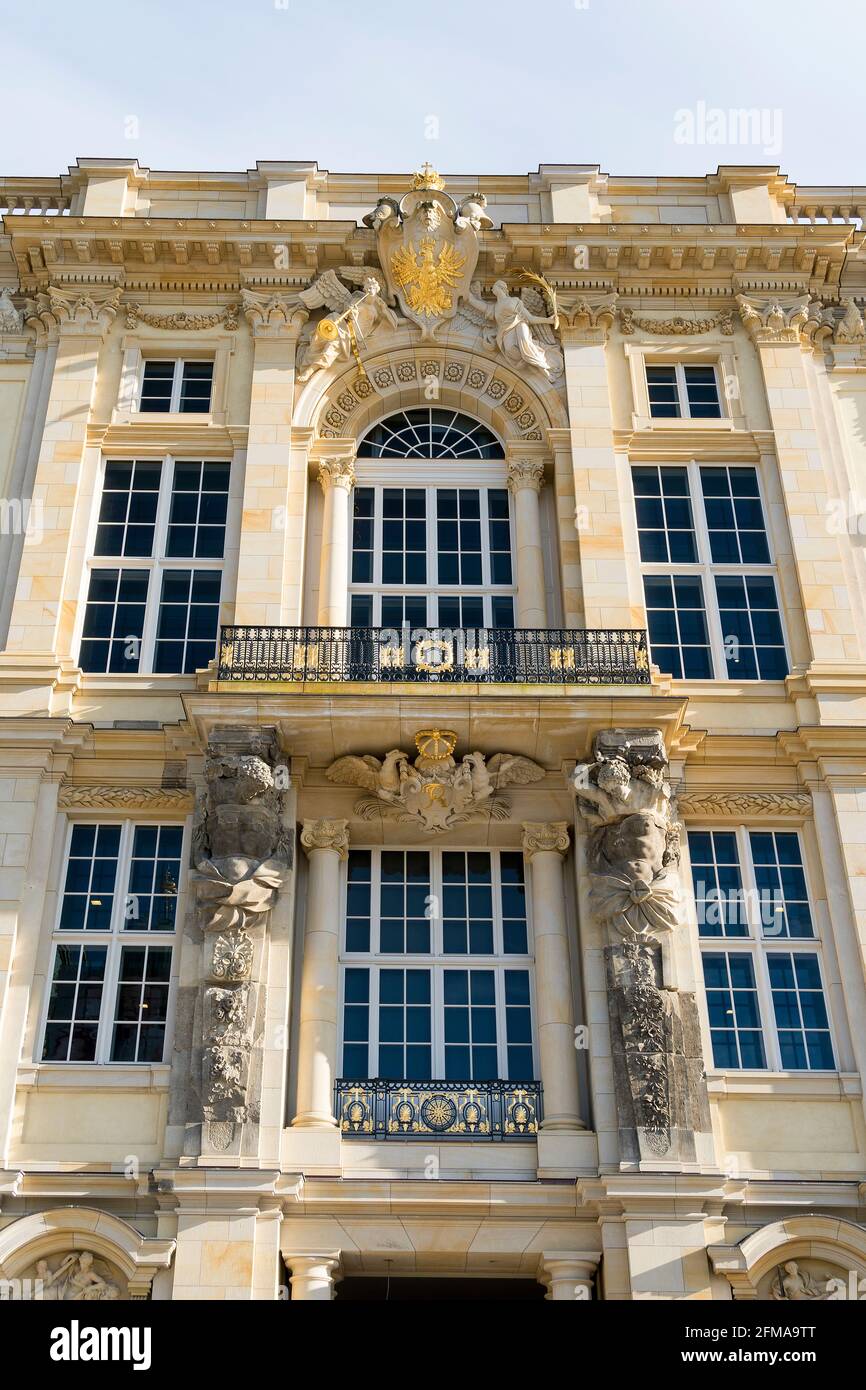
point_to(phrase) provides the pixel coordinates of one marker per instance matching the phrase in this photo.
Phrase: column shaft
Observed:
(326, 844)
(525, 478)
(336, 476)
(544, 846)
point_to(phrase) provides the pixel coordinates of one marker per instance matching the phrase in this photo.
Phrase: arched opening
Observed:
(432, 433)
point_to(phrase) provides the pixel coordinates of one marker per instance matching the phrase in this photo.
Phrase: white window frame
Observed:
(706, 569)
(760, 947)
(157, 562)
(481, 475)
(683, 392)
(719, 354)
(437, 962)
(179, 364)
(114, 939)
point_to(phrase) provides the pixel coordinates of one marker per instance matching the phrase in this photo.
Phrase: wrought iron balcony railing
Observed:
(572, 656)
(438, 1109)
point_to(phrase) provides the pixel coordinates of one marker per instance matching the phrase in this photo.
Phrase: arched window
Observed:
(431, 546)
(428, 433)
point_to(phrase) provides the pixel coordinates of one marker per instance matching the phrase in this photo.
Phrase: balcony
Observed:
(467, 1110)
(550, 656)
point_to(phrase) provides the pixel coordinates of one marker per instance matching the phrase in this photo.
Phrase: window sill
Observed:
(725, 689)
(702, 424)
(93, 1076)
(785, 1084)
(137, 683)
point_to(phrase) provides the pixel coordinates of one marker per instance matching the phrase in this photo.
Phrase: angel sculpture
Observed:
(515, 319)
(353, 315)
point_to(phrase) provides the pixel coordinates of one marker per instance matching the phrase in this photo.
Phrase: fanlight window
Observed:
(427, 433)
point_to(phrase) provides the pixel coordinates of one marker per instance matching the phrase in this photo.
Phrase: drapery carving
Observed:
(633, 856)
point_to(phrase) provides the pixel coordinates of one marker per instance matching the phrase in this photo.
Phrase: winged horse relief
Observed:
(434, 790)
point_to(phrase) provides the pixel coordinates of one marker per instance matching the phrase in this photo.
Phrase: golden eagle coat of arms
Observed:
(428, 249)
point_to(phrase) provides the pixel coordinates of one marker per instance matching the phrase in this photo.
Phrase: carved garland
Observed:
(679, 325)
(98, 798)
(745, 805)
(227, 318)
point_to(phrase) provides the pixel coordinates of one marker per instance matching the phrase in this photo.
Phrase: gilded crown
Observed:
(426, 177)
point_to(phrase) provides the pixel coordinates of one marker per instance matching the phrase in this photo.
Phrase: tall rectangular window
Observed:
(765, 995)
(112, 954)
(155, 575)
(709, 583)
(431, 557)
(437, 973)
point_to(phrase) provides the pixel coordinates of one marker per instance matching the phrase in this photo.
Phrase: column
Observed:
(525, 481)
(313, 1276)
(270, 558)
(774, 324)
(544, 846)
(568, 1278)
(326, 843)
(337, 477)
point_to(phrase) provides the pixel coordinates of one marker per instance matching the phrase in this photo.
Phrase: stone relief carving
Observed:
(434, 791)
(353, 315)
(10, 319)
(693, 805)
(242, 860)
(96, 798)
(524, 334)
(428, 249)
(679, 325)
(633, 854)
(794, 1283)
(774, 320)
(841, 325)
(78, 1277)
(226, 318)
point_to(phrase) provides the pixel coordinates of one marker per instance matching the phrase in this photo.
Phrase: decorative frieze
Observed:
(678, 326)
(181, 320)
(743, 805)
(126, 798)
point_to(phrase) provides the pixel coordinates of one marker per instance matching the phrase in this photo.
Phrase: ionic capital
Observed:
(326, 834)
(541, 837)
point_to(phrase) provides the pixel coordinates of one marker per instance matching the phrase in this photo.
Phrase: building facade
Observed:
(433, 787)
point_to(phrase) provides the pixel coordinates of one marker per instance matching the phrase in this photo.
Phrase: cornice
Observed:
(176, 436)
(715, 441)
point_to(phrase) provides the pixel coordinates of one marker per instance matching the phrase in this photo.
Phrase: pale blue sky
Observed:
(353, 84)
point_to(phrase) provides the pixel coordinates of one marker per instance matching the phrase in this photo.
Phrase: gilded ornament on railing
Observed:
(487, 1110)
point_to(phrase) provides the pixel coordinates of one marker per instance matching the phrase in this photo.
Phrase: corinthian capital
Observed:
(85, 310)
(326, 834)
(337, 472)
(586, 318)
(525, 473)
(774, 318)
(273, 315)
(540, 837)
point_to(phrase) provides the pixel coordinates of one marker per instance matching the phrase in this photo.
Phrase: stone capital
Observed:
(770, 319)
(80, 311)
(525, 472)
(545, 837)
(337, 472)
(586, 318)
(274, 314)
(326, 834)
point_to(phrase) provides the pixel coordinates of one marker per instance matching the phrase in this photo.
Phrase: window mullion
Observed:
(765, 1003)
